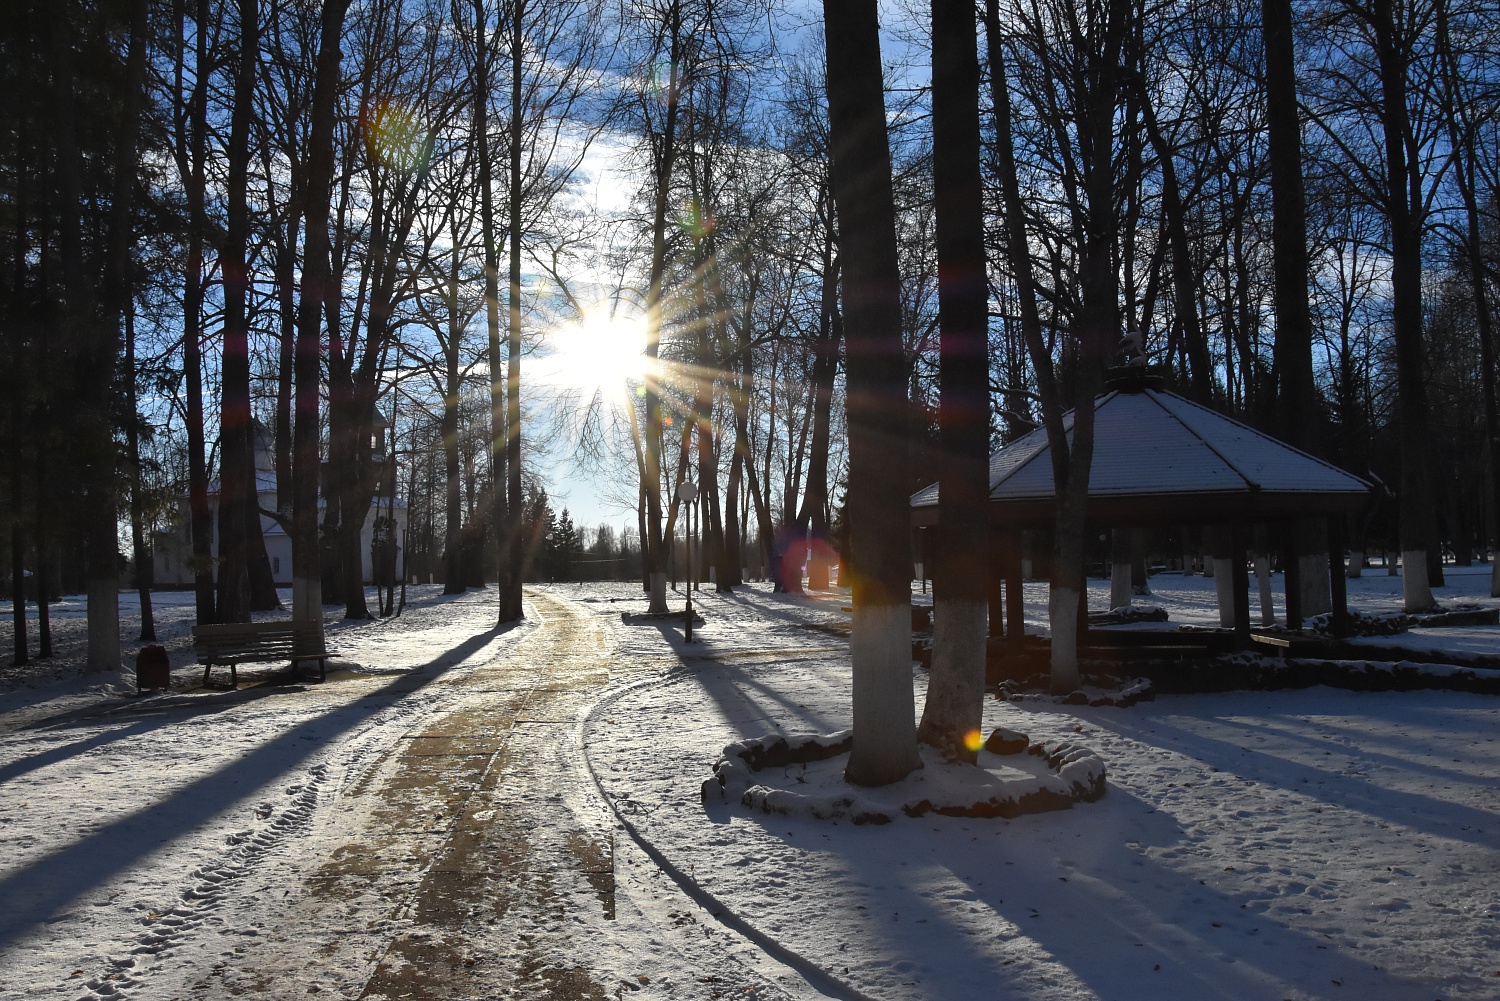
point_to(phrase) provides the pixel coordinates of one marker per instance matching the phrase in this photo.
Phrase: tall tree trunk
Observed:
(17, 542)
(1463, 137)
(955, 693)
(653, 545)
(121, 295)
(237, 497)
(507, 539)
(286, 293)
(511, 607)
(43, 551)
(1296, 394)
(1292, 348)
(1403, 208)
(141, 553)
(91, 336)
(307, 598)
(885, 747)
(200, 517)
(1018, 254)
(454, 578)
(813, 514)
(19, 429)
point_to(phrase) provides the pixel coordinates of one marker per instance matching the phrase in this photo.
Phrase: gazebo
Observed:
(1161, 459)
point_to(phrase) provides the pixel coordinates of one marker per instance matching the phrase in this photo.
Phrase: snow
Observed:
(1294, 844)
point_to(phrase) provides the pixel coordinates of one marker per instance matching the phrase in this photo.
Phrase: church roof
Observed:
(1161, 457)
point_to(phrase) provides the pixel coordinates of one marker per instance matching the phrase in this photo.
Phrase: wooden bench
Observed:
(1294, 644)
(233, 643)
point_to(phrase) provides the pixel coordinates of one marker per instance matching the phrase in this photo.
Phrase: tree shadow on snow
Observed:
(1356, 793)
(1075, 895)
(42, 891)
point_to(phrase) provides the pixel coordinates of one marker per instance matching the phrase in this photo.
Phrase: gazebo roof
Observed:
(1159, 457)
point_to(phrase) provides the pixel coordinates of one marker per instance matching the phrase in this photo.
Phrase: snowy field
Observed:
(1302, 844)
(1260, 845)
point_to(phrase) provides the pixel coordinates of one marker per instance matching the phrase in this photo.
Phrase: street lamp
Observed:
(687, 495)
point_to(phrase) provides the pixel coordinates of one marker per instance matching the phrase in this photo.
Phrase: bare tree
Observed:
(955, 695)
(884, 748)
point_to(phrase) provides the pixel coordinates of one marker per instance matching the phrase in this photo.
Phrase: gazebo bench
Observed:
(230, 644)
(1292, 645)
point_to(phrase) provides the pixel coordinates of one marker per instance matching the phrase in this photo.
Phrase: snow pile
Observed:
(1363, 623)
(1123, 694)
(1123, 615)
(803, 775)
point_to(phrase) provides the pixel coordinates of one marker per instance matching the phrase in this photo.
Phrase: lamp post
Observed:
(687, 496)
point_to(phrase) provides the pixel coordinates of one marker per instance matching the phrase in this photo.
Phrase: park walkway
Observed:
(477, 859)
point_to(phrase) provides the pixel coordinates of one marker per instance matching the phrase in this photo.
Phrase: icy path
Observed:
(431, 831)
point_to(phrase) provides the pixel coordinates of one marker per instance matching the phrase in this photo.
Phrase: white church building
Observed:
(172, 550)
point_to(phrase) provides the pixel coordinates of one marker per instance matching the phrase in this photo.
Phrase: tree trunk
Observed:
(43, 555)
(1296, 400)
(237, 497)
(17, 546)
(1418, 518)
(955, 695)
(91, 339)
(813, 514)
(884, 748)
(654, 545)
(1292, 349)
(1463, 139)
(141, 553)
(199, 515)
(506, 539)
(286, 293)
(20, 432)
(453, 574)
(307, 599)
(511, 605)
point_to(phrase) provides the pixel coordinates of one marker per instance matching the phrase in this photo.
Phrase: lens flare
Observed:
(396, 138)
(973, 740)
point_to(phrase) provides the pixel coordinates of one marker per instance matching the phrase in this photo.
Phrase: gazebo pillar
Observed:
(1339, 618)
(1292, 575)
(1238, 556)
(1015, 608)
(994, 585)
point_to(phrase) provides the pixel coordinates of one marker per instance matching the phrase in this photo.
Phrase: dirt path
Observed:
(476, 860)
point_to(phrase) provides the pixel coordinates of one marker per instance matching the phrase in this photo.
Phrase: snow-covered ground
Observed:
(1298, 844)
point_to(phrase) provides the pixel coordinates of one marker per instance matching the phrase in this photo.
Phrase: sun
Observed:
(600, 354)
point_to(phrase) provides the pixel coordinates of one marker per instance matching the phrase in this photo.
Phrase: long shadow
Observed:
(40, 892)
(1449, 820)
(1091, 913)
(32, 762)
(1123, 924)
(1357, 751)
(162, 712)
(17, 701)
(703, 654)
(193, 704)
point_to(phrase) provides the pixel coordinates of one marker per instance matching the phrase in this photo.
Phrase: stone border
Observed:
(1078, 775)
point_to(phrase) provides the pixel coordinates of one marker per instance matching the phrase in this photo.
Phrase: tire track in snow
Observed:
(206, 889)
(209, 886)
